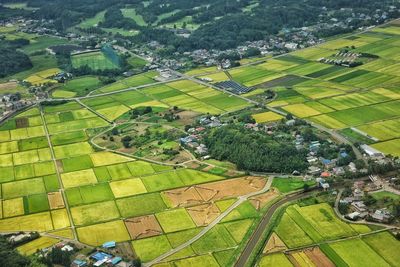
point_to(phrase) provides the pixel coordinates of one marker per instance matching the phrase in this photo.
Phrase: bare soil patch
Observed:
(204, 214)
(56, 200)
(261, 200)
(143, 226)
(274, 244)
(22, 122)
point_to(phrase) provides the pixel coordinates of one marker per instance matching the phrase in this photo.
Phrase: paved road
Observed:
(259, 232)
(211, 225)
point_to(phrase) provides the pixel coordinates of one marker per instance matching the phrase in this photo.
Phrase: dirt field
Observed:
(8, 85)
(204, 214)
(184, 197)
(318, 257)
(199, 194)
(187, 117)
(230, 188)
(144, 226)
(55, 200)
(310, 256)
(274, 244)
(22, 122)
(60, 165)
(260, 201)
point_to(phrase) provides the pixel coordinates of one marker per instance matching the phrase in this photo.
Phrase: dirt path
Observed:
(53, 157)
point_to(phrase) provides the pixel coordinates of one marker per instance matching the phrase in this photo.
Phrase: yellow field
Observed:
(201, 71)
(42, 77)
(37, 244)
(301, 110)
(267, 117)
(127, 187)
(60, 218)
(99, 233)
(73, 179)
(13, 207)
(153, 103)
(64, 233)
(217, 77)
(389, 147)
(108, 158)
(328, 122)
(36, 222)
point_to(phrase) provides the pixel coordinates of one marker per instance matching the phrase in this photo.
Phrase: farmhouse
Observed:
(381, 215)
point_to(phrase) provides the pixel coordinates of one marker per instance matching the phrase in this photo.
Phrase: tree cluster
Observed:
(254, 151)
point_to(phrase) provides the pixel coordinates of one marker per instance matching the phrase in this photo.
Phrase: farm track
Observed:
(240, 200)
(58, 175)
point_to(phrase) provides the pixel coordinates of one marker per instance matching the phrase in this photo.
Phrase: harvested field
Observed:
(214, 191)
(56, 200)
(204, 214)
(144, 226)
(318, 257)
(22, 122)
(260, 201)
(183, 197)
(274, 244)
(230, 188)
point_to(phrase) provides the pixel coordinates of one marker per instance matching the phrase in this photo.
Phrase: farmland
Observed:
(336, 97)
(93, 60)
(318, 224)
(56, 178)
(48, 149)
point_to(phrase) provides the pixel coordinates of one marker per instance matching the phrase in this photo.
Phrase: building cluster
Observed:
(343, 58)
(359, 209)
(194, 139)
(11, 103)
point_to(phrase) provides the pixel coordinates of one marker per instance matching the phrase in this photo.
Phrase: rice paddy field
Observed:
(301, 228)
(51, 177)
(365, 97)
(183, 94)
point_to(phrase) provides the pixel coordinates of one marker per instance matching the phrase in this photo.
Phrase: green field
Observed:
(364, 255)
(93, 60)
(285, 185)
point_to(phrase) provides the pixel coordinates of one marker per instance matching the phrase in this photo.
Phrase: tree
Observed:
(137, 262)
(126, 141)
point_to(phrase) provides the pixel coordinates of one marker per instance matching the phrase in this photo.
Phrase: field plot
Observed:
(385, 245)
(382, 130)
(266, 117)
(93, 60)
(142, 227)
(78, 87)
(291, 233)
(277, 259)
(97, 234)
(35, 245)
(364, 255)
(175, 220)
(94, 213)
(389, 147)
